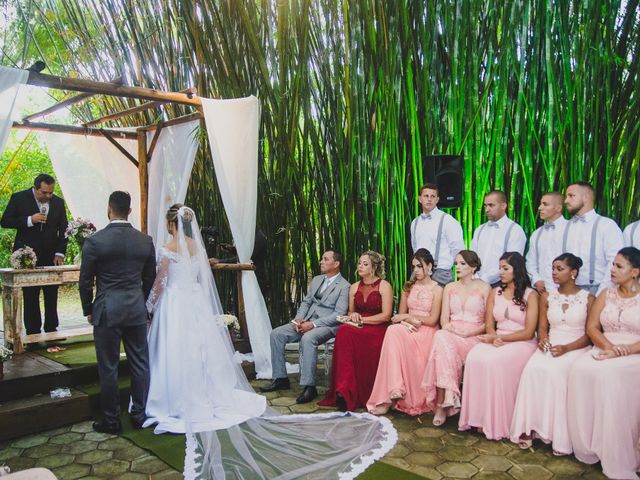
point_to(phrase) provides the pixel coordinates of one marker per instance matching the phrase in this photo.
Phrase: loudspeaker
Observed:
(447, 171)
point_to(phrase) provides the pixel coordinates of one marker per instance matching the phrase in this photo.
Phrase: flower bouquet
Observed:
(5, 354)
(24, 258)
(79, 229)
(231, 322)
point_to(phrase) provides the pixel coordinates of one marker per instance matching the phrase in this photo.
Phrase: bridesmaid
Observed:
(407, 343)
(358, 343)
(462, 319)
(493, 367)
(541, 404)
(604, 383)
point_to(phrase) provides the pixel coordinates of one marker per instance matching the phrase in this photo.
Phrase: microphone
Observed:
(43, 210)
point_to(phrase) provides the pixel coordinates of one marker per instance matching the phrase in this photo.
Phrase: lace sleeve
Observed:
(159, 284)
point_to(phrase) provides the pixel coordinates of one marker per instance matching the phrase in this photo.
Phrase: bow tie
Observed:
(491, 223)
(549, 226)
(579, 218)
(426, 216)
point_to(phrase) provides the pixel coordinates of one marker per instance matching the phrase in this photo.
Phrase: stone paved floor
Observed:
(435, 453)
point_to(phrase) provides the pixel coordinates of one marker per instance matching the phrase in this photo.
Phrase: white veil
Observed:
(265, 445)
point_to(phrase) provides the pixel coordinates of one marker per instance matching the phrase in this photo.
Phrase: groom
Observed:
(314, 324)
(122, 261)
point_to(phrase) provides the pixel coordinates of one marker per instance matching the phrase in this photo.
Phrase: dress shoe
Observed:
(103, 427)
(307, 395)
(341, 403)
(277, 384)
(136, 424)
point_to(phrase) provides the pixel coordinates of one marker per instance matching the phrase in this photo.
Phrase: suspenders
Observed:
(506, 237)
(633, 234)
(438, 237)
(592, 248)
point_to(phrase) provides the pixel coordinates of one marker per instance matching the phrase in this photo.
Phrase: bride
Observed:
(196, 387)
(193, 376)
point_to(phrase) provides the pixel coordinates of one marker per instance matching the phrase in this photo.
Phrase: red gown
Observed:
(356, 352)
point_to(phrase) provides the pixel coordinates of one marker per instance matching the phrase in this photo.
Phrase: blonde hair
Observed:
(377, 261)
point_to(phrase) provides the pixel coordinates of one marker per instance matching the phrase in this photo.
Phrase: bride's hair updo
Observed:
(172, 217)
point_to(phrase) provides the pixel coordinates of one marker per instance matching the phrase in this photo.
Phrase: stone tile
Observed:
(130, 453)
(491, 447)
(58, 431)
(406, 437)
(42, 450)
(115, 443)
(55, 460)
(494, 463)
(489, 476)
(460, 439)
(397, 462)
(423, 459)
(167, 475)
(457, 454)
(530, 472)
(71, 472)
(283, 410)
(527, 457)
(399, 451)
(148, 465)
(304, 408)
(132, 476)
(426, 472)
(30, 441)
(110, 468)
(81, 446)
(83, 427)
(65, 438)
(283, 401)
(428, 432)
(95, 456)
(9, 452)
(20, 463)
(457, 470)
(594, 474)
(98, 437)
(427, 444)
(565, 466)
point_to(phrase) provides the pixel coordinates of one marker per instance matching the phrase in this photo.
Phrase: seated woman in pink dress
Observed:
(541, 404)
(358, 343)
(407, 343)
(462, 320)
(493, 368)
(604, 383)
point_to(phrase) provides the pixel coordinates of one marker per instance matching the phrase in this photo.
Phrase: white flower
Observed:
(5, 354)
(227, 320)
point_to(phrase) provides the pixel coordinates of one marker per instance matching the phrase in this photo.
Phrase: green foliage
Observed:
(356, 94)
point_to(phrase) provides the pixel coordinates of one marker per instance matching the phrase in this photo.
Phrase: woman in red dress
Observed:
(358, 342)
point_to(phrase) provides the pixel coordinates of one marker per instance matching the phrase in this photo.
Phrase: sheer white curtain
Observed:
(169, 172)
(232, 127)
(88, 169)
(10, 81)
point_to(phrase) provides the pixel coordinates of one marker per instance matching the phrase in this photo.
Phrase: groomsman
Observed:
(438, 232)
(590, 236)
(632, 235)
(545, 243)
(500, 234)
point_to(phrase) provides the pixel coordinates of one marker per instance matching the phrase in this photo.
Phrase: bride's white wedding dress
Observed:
(197, 388)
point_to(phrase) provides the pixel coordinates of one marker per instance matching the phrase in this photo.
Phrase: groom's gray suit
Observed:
(122, 261)
(321, 307)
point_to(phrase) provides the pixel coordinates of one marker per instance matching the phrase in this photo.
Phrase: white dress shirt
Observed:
(489, 243)
(545, 245)
(632, 235)
(424, 234)
(42, 208)
(608, 240)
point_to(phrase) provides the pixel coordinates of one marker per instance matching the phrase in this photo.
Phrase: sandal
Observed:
(556, 453)
(440, 417)
(525, 443)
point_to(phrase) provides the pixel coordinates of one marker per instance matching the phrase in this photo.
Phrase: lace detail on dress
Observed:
(165, 256)
(621, 314)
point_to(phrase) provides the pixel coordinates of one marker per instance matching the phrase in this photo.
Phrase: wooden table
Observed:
(13, 281)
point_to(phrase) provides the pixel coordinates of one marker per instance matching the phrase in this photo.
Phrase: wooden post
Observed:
(144, 179)
(242, 317)
(12, 315)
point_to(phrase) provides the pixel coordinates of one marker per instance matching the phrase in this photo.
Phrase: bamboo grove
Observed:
(356, 94)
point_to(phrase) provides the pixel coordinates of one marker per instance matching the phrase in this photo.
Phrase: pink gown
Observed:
(604, 395)
(404, 358)
(449, 351)
(492, 374)
(541, 405)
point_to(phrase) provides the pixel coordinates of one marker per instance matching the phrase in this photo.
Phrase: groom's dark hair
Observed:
(120, 203)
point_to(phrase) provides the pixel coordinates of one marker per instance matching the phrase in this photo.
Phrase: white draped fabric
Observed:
(169, 172)
(88, 169)
(232, 127)
(10, 81)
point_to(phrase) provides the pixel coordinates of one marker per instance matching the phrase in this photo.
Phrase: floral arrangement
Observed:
(79, 229)
(23, 258)
(229, 321)
(5, 354)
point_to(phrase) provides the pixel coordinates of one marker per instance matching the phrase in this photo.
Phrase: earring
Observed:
(573, 277)
(633, 285)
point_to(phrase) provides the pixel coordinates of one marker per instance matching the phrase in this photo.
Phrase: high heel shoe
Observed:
(440, 417)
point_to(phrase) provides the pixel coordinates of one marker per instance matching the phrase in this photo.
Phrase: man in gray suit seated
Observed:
(314, 324)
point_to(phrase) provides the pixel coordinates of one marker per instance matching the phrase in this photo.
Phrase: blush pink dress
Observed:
(404, 358)
(541, 405)
(492, 374)
(604, 395)
(449, 351)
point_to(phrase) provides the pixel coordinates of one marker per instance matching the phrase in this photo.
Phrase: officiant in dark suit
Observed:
(40, 219)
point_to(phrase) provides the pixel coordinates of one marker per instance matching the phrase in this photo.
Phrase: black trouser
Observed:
(32, 317)
(107, 341)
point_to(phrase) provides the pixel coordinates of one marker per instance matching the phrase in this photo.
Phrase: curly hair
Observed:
(521, 279)
(172, 217)
(425, 258)
(377, 262)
